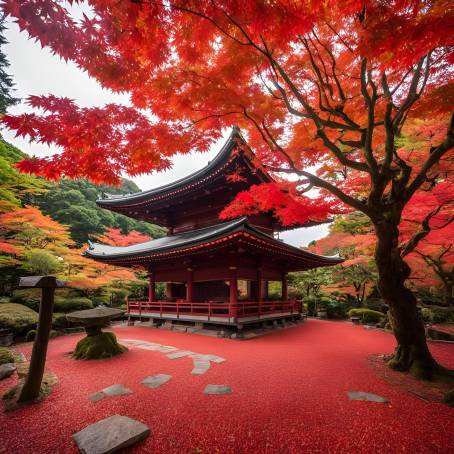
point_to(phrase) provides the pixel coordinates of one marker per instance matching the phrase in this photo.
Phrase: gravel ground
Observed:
(289, 395)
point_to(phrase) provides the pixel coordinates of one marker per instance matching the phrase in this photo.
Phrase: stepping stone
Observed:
(217, 389)
(214, 358)
(200, 367)
(110, 434)
(167, 349)
(116, 390)
(96, 396)
(6, 370)
(177, 355)
(155, 381)
(361, 395)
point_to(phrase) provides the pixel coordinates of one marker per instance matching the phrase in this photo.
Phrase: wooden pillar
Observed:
(259, 284)
(32, 385)
(284, 287)
(233, 283)
(151, 287)
(190, 285)
(169, 292)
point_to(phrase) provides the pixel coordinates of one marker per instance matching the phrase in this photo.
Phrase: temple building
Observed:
(215, 272)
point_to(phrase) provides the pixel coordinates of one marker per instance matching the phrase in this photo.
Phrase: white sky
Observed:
(36, 71)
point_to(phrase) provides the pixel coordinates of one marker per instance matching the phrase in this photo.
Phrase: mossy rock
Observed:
(6, 356)
(448, 399)
(102, 345)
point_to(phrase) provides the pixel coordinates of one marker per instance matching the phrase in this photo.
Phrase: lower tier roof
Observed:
(208, 238)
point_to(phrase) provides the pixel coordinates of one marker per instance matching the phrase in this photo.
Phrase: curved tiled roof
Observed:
(199, 237)
(220, 159)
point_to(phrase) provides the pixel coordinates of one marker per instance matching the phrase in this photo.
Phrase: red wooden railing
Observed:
(215, 309)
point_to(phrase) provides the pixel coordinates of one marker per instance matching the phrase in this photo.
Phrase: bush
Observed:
(30, 337)
(6, 356)
(42, 262)
(53, 334)
(336, 309)
(437, 314)
(367, 315)
(69, 304)
(17, 318)
(59, 320)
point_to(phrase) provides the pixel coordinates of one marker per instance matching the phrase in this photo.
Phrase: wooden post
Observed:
(284, 287)
(32, 385)
(190, 285)
(233, 283)
(151, 287)
(259, 284)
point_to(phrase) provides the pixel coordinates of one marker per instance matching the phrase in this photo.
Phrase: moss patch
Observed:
(102, 345)
(11, 396)
(6, 356)
(17, 318)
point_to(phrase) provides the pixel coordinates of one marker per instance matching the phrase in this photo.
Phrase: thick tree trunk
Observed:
(412, 353)
(448, 293)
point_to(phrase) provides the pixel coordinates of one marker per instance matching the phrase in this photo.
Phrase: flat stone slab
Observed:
(110, 434)
(94, 317)
(180, 354)
(155, 381)
(217, 389)
(116, 390)
(6, 370)
(96, 396)
(361, 395)
(200, 367)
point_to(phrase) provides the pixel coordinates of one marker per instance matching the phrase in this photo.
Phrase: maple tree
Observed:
(333, 85)
(114, 237)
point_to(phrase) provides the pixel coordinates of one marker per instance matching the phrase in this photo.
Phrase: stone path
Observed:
(113, 390)
(361, 395)
(110, 435)
(202, 362)
(155, 381)
(217, 389)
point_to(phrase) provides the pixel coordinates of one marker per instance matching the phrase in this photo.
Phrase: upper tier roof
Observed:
(211, 170)
(196, 240)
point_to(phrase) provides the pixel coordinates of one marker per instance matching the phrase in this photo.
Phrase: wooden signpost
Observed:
(47, 284)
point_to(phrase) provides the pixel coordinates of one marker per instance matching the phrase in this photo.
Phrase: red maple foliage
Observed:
(114, 237)
(337, 93)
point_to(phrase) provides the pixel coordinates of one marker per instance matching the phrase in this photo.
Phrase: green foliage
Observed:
(59, 320)
(72, 304)
(336, 309)
(309, 282)
(367, 315)
(102, 345)
(41, 262)
(5, 356)
(73, 202)
(437, 314)
(30, 336)
(16, 187)
(6, 83)
(52, 334)
(17, 318)
(355, 223)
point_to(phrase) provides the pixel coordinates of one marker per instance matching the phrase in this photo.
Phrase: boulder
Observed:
(6, 370)
(110, 435)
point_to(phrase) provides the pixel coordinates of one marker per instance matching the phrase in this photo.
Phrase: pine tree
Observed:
(6, 82)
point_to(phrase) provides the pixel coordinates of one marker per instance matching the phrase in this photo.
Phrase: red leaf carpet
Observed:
(289, 395)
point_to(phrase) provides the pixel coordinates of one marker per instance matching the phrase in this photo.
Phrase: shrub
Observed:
(59, 320)
(30, 335)
(437, 314)
(6, 356)
(17, 318)
(53, 334)
(72, 304)
(42, 262)
(367, 315)
(336, 309)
